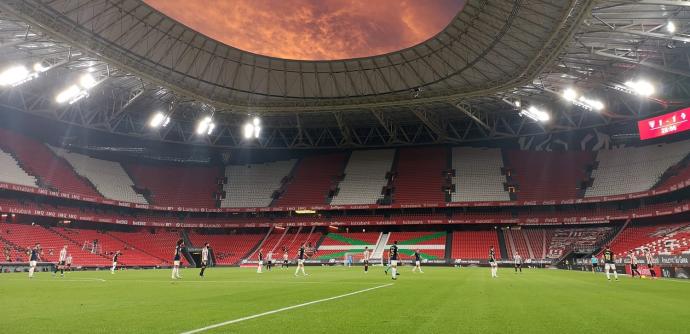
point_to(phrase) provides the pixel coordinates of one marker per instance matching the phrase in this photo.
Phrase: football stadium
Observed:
(344, 166)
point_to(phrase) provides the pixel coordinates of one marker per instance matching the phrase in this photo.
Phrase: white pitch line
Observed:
(229, 322)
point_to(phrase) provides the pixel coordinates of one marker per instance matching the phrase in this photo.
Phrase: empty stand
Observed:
(109, 177)
(38, 160)
(159, 244)
(634, 169)
(253, 185)
(365, 177)
(478, 175)
(312, 180)
(671, 238)
(431, 245)
(516, 243)
(419, 176)
(475, 244)
(107, 246)
(11, 172)
(548, 175)
(191, 186)
(228, 249)
(26, 236)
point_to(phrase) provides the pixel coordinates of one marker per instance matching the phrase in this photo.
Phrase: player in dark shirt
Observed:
(34, 257)
(301, 256)
(177, 257)
(393, 254)
(610, 263)
(417, 261)
(115, 257)
(492, 262)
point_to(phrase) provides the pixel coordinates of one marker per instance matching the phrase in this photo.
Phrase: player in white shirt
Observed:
(68, 262)
(365, 259)
(204, 259)
(517, 259)
(650, 262)
(61, 262)
(261, 261)
(115, 257)
(633, 265)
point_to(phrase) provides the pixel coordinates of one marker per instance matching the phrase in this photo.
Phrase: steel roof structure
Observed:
(457, 86)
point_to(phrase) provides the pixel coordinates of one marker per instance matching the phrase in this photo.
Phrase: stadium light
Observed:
(640, 87)
(16, 75)
(671, 27)
(595, 105)
(206, 126)
(78, 91)
(535, 114)
(570, 94)
(582, 101)
(159, 119)
(253, 129)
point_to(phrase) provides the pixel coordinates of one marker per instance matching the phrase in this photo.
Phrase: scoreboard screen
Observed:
(664, 125)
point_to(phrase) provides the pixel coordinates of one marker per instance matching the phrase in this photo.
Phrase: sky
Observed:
(314, 29)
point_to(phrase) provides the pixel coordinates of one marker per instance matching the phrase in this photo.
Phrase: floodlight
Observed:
(14, 76)
(570, 94)
(671, 27)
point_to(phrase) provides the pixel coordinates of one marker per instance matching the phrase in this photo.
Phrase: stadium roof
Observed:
(452, 88)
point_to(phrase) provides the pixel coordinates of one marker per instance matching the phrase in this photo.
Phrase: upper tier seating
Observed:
(40, 161)
(420, 178)
(634, 169)
(548, 175)
(193, 186)
(312, 180)
(682, 175)
(227, 248)
(11, 172)
(365, 177)
(475, 244)
(253, 185)
(109, 177)
(478, 175)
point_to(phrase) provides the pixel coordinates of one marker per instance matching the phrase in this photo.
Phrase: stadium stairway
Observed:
(449, 245)
(380, 246)
(502, 243)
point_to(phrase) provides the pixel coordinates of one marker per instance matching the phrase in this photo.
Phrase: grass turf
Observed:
(442, 300)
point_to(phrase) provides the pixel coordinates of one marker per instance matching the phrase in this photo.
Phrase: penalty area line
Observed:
(229, 322)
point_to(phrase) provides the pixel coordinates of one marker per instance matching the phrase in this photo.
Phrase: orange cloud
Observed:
(314, 29)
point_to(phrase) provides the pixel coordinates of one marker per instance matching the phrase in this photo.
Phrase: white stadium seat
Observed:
(11, 172)
(634, 169)
(109, 178)
(253, 185)
(365, 177)
(478, 175)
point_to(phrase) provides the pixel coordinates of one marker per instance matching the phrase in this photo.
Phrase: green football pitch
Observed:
(341, 300)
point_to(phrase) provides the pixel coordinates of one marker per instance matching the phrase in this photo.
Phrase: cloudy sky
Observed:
(314, 29)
